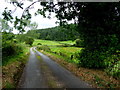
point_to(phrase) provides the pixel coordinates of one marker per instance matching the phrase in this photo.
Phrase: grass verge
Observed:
(12, 70)
(96, 78)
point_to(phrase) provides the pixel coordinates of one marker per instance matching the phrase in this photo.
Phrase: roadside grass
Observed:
(13, 68)
(68, 53)
(56, 47)
(95, 77)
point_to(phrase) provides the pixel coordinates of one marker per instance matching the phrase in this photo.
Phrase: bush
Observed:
(91, 59)
(29, 41)
(78, 43)
(15, 41)
(10, 46)
(45, 48)
(113, 65)
(101, 60)
(9, 49)
(39, 44)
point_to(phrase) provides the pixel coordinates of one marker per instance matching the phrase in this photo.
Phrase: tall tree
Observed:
(98, 25)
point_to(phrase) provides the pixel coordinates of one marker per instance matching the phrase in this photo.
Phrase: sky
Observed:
(42, 22)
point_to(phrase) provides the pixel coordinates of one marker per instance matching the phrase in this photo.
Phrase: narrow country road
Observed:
(37, 75)
(32, 77)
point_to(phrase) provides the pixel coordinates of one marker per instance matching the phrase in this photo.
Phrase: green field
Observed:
(68, 51)
(67, 42)
(45, 42)
(48, 42)
(57, 48)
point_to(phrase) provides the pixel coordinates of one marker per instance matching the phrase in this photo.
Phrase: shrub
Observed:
(113, 65)
(45, 48)
(10, 46)
(39, 44)
(29, 41)
(9, 49)
(103, 60)
(15, 41)
(78, 43)
(91, 59)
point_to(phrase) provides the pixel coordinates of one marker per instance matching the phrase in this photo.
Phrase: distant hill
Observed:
(57, 33)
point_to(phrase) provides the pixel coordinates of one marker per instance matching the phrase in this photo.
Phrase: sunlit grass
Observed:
(66, 50)
(68, 53)
(67, 42)
(45, 42)
(48, 42)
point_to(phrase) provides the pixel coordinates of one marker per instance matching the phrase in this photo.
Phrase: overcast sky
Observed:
(42, 22)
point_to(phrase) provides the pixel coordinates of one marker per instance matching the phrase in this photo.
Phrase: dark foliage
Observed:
(55, 33)
(9, 46)
(29, 40)
(98, 26)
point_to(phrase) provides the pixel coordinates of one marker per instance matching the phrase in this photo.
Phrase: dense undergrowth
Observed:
(12, 71)
(14, 57)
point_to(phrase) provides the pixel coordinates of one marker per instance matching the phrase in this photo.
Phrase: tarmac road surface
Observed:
(32, 76)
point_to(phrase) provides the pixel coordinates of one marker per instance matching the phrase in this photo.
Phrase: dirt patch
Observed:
(50, 79)
(97, 78)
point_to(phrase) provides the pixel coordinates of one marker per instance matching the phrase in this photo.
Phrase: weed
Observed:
(9, 85)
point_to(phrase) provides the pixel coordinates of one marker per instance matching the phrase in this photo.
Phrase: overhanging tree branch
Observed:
(27, 8)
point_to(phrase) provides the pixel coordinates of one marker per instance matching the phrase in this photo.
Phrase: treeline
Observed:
(57, 33)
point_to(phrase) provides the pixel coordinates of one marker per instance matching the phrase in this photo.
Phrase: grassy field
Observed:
(67, 53)
(67, 42)
(45, 42)
(48, 42)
